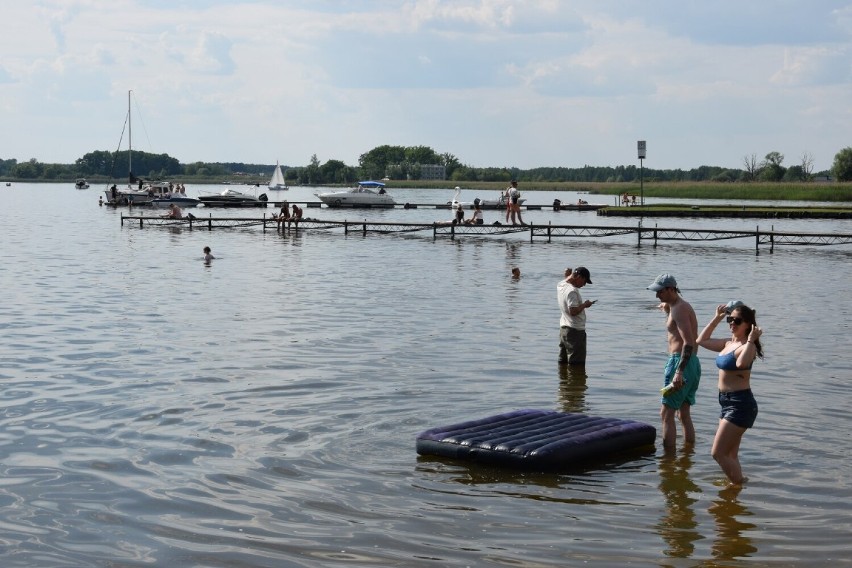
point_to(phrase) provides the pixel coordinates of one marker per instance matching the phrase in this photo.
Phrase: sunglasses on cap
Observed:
(735, 321)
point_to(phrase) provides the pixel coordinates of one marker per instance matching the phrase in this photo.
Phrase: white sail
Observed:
(277, 181)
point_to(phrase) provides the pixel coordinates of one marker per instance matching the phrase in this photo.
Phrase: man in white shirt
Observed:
(572, 324)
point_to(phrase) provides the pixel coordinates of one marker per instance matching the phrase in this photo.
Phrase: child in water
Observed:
(207, 254)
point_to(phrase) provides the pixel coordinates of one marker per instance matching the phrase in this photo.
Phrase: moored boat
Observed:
(81, 183)
(365, 194)
(233, 198)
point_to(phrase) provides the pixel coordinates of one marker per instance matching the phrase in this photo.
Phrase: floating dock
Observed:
(548, 232)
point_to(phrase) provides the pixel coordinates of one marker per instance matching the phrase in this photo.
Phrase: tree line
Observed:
(405, 162)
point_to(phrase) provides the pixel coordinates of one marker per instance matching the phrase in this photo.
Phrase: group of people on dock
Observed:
(286, 216)
(682, 371)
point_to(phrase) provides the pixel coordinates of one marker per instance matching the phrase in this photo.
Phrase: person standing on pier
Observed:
(508, 200)
(736, 356)
(682, 370)
(514, 199)
(572, 323)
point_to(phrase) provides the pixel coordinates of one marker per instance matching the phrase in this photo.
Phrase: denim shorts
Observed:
(738, 407)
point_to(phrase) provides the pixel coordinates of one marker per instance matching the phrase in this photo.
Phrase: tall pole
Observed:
(641, 182)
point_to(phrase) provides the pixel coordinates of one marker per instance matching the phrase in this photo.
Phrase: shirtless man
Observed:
(683, 370)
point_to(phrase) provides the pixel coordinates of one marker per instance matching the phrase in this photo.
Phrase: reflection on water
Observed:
(732, 539)
(572, 388)
(262, 410)
(678, 527)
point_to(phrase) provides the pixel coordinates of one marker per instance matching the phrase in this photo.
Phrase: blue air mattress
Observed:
(537, 438)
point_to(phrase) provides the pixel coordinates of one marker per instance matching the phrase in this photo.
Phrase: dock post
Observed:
(772, 239)
(364, 228)
(434, 231)
(122, 219)
(639, 235)
(452, 232)
(140, 222)
(757, 241)
(264, 221)
(210, 222)
(532, 232)
(549, 225)
(345, 227)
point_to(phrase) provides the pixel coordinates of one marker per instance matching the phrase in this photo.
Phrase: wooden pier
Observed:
(548, 232)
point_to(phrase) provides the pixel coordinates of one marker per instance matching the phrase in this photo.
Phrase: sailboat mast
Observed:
(129, 137)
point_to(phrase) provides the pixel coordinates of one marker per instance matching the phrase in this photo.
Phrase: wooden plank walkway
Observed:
(546, 232)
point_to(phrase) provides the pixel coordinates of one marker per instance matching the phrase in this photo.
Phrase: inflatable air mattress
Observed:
(537, 439)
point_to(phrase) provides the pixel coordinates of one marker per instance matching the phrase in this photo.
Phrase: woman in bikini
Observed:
(736, 356)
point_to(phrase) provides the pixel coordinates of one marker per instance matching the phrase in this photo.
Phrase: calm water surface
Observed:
(261, 410)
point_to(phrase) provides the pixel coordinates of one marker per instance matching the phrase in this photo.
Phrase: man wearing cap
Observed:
(572, 324)
(683, 370)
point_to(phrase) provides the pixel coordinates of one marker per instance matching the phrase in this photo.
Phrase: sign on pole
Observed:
(640, 145)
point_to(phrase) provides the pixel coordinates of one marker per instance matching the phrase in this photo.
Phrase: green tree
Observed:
(795, 173)
(841, 169)
(28, 170)
(312, 172)
(772, 170)
(335, 171)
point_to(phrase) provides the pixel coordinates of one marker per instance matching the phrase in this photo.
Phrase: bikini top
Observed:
(728, 362)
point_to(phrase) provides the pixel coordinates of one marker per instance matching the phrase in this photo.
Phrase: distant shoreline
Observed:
(780, 191)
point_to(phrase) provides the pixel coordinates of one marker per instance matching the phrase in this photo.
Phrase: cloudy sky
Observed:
(523, 83)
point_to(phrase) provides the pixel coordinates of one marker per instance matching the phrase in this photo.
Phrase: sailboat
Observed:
(133, 192)
(136, 192)
(277, 181)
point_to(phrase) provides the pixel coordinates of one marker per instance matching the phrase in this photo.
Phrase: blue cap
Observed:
(663, 281)
(732, 305)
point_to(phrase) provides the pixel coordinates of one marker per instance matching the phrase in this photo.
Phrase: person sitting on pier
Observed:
(582, 202)
(297, 214)
(476, 218)
(284, 215)
(174, 212)
(459, 216)
(632, 200)
(625, 198)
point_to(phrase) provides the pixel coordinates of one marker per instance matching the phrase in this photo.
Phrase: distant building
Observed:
(433, 171)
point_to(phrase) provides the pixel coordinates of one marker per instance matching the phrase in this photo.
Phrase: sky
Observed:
(495, 83)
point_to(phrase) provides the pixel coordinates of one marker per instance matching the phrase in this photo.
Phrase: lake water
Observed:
(261, 410)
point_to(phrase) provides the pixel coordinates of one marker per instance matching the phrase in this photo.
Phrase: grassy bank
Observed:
(837, 192)
(730, 211)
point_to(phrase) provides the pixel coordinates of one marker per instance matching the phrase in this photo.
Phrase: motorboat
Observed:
(365, 194)
(277, 182)
(233, 198)
(178, 197)
(140, 194)
(81, 183)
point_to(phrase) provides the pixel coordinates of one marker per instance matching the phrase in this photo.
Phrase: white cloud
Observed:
(494, 82)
